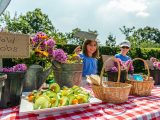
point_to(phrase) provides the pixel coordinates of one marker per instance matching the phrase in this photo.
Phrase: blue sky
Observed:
(105, 16)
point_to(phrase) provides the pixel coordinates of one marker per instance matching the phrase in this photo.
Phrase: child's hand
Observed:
(77, 50)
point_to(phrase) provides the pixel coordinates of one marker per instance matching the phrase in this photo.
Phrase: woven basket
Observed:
(112, 92)
(141, 88)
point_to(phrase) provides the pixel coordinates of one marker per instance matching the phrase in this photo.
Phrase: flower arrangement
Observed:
(13, 85)
(43, 50)
(16, 68)
(156, 63)
(45, 47)
(122, 65)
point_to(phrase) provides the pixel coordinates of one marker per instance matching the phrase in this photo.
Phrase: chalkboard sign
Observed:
(13, 45)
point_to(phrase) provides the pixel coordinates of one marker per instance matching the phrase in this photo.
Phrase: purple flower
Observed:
(59, 55)
(38, 37)
(127, 63)
(20, 67)
(50, 50)
(114, 69)
(16, 68)
(50, 43)
(43, 45)
(8, 69)
(122, 66)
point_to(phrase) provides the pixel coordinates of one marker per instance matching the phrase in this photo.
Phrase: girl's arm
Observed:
(78, 50)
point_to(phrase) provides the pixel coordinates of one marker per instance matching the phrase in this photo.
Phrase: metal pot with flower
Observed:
(67, 68)
(38, 71)
(154, 67)
(12, 90)
(113, 71)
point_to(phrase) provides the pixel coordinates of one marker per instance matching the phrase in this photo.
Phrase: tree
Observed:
(111, 41)
(31, 23)
(142, 37)
(127, 31)
(148, 34)
(72, 39)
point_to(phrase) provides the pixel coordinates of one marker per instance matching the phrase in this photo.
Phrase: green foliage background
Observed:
(144, 53)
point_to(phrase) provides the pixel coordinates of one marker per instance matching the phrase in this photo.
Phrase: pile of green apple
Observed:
(54, 97)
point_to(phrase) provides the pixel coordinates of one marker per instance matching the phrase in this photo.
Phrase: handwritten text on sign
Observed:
(14, 45)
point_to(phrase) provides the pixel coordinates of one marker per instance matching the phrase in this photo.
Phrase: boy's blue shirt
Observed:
(123, 58)
(89, 65)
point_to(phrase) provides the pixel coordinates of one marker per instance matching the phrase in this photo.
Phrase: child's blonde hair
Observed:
(84, 48)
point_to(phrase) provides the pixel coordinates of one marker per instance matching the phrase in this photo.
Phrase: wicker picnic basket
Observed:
(112, 92)
(141, 88)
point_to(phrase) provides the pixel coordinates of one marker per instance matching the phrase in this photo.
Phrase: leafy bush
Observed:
(144, 53)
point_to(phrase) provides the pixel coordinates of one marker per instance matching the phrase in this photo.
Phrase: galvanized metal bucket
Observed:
(67, 74)
(12, 90)
(35, 77)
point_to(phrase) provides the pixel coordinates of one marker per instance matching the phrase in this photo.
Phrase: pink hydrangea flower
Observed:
(59, 55)
(123, 66)
(16, 68)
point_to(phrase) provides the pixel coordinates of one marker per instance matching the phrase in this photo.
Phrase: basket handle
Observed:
(104, 66)
(145, 64)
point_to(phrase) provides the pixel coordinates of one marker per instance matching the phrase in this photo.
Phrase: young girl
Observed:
(89, 55)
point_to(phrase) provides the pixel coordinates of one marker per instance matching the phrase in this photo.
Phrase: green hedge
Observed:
(144, 53)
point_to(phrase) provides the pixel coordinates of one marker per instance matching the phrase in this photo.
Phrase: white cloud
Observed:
(142, 14)
(137, 7)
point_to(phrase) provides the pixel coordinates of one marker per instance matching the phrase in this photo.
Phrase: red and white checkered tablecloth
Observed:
(136, 108)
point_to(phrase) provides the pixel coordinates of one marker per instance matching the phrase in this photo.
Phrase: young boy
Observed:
(125, 47)
(125, 59)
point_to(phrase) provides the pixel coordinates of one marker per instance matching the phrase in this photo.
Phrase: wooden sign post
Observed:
(13, 45)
